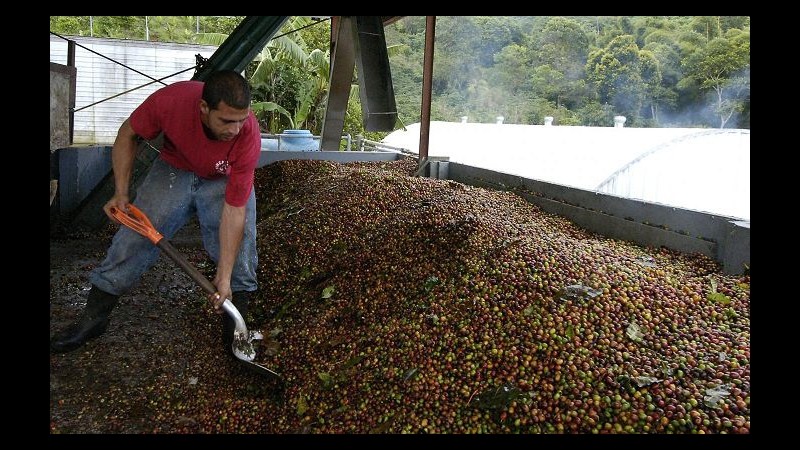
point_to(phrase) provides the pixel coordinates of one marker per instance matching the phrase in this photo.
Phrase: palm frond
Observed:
(394, 50)
(262, 107)
(263, 72)
(320, 63)
(290, 47)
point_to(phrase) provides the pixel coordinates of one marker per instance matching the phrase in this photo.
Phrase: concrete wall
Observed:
(62, 98)
(80, 169)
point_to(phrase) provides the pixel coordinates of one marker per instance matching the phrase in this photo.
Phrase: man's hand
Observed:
(118, 201)
(223, 292)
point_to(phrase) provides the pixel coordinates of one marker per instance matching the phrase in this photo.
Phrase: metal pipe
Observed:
(427, 81)
(71, 53)
(71, 63)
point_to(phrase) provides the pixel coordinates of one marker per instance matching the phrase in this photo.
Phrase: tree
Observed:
(513, 66)
(664, 95)
(496, 32)
(70, 25)
(646, 25)
(171, 28)
(548, 83)
(651, 77)
(616, 71)
(456, 63)
(708, 26)
(724, 68)
(561, 53)
(608, 28)
(595, 114)
(180, 29)
(738, 22)
(219, 24)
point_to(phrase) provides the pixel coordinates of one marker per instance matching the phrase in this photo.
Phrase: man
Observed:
(211, 146)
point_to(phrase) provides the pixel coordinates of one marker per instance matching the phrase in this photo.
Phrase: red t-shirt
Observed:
(175, 110)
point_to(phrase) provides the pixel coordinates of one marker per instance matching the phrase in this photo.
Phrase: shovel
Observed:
(242, 345)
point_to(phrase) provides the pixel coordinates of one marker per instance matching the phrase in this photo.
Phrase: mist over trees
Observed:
(671, 71)
(658, 71)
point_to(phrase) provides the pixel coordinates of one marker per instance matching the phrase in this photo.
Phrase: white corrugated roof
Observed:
(694, 168)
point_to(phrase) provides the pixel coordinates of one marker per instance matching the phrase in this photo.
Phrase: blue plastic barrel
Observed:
(298, 141)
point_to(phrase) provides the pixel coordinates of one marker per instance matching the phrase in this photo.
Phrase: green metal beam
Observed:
(243, 44)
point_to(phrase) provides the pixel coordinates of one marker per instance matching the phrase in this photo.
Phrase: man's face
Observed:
(224, 122)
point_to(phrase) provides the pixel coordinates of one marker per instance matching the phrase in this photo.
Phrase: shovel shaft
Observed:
(187, 267)
(207, 286)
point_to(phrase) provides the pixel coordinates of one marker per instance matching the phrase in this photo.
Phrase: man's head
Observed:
(225, 104)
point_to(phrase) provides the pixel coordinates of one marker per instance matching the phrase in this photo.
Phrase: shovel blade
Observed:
(242, 347)
(244, 351)
(261, 370)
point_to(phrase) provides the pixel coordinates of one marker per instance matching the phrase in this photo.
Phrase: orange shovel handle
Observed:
(137, 221)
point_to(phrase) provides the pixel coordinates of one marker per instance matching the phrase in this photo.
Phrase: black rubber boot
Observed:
(92, 322)
(241, 300)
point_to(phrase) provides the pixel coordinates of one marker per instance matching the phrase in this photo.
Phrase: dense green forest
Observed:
(658, 71)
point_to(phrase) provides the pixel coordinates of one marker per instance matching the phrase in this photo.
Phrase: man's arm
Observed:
(231, 230)
(123, 155)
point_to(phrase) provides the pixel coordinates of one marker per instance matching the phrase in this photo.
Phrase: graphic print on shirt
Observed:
(223, 167)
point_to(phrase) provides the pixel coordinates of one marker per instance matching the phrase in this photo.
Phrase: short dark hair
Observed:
(228, 86)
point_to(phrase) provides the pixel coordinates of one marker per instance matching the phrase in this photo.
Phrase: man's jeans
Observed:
(169, 197)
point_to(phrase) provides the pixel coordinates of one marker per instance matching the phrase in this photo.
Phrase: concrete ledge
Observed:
(271, 156)
(628, 230)
(735, 253)
(723, 238)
